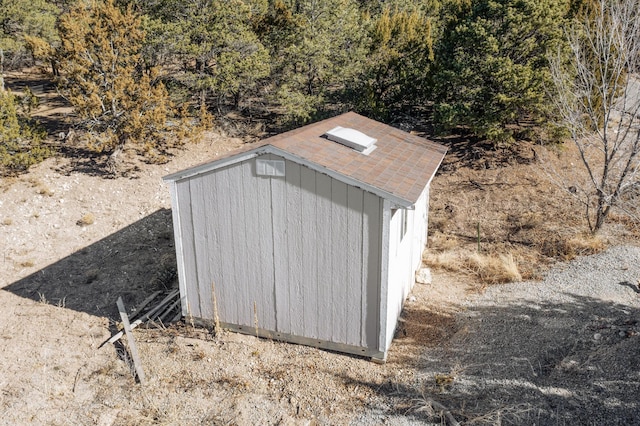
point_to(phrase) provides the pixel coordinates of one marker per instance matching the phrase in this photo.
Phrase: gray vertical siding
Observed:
(371, 268)
(324, 255)
(278, 212)
(354, 256)
(264, 260)
(222, 270)
(304, 249)
(188, 258)
(384, 330)
(310, 257)
(202, 240)
(173, 188)
(292, 250)
(339, 259)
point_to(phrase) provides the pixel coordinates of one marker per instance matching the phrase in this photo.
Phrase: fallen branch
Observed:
(432, 407)
(168, 310)
(444, 411)
(138, 309)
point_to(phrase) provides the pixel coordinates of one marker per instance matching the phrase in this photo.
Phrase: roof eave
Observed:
(215, 164)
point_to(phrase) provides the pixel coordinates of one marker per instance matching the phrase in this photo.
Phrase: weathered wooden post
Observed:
(132, 343)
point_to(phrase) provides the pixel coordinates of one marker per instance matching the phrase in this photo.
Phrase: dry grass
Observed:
(447, 260)
(525, 222)
(443, 241)
(585, 244)
(27, 264)
(6, 183)
(486, 268)
(43, 190)
(86, 220)
(501, 261)
(567, 248)
(630, 224)
(501, 268)
(40, 187)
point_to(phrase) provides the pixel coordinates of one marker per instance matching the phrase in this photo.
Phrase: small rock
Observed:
(597, 336)
(423, 276)
(622, 334)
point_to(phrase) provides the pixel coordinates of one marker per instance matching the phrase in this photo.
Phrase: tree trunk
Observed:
(1, 70)
(236, 99)
(602, 210)
(54, 67)
(114, 161)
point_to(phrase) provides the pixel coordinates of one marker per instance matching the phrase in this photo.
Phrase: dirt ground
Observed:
(73, 241)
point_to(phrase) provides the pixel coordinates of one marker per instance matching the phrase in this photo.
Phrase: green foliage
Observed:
(20, 138)
(21, 21)
(376, 7)
(297, 107)
(316, 48)
(400, 54)
(490, 68)
(480, 64)
(118, 99)
(215, 43)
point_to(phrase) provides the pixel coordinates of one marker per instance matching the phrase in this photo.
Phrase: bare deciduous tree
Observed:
(598, 99)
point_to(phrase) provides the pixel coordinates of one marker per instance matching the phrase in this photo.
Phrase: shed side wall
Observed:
(405, 257)
(178, 244)
(297, 255)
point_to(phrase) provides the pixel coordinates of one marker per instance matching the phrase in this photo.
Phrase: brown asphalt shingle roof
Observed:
(402, 164)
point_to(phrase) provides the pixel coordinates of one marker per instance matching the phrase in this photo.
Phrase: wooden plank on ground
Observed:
(166, 313)
(132, 342)
(138, 310)
(145, 317)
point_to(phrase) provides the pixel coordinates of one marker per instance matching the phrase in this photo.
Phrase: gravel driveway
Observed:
(563, 351)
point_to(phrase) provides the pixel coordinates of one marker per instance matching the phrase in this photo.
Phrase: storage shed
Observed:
(312, 236)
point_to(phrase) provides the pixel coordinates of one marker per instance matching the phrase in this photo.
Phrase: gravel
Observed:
(611, 276)
(561, 351)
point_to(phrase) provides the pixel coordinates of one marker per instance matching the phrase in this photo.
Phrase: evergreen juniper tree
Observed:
(118, 99)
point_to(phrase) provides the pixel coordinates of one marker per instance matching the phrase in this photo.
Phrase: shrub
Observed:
(21, 139)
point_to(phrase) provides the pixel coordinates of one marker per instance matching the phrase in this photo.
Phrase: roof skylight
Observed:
(352, 138)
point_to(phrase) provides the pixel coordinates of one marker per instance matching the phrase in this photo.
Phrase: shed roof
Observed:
(399, 168)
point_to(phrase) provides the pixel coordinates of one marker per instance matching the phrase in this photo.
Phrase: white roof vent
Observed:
(353, 139)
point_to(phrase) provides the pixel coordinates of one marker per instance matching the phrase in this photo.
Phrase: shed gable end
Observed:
(299, 252)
